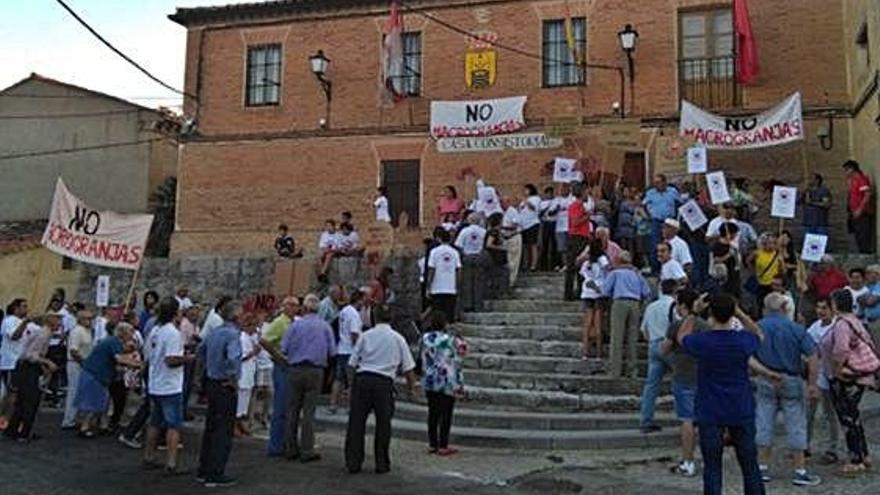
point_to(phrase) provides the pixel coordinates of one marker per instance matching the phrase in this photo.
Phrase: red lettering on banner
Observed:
(83, 245)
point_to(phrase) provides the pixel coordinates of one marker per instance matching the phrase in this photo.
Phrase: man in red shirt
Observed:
(579, 230)
(861, 218)
(827, 278)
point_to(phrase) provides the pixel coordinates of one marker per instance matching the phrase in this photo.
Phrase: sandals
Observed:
(850, 470)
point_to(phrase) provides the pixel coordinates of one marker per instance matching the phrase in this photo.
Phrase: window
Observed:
(412, 63)
(263, 75)
(706, 58)
(401, 178)
(560, 67)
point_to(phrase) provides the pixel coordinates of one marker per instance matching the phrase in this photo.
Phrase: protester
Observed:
(579, 230)
(183, 299)
(661, 202)
(625, 228)
(627, 290)
(643, 236)
(328, 244)
(611, 248)
(79, 345)
(784, 349)
(816, 200)
(349, 241)
(309, 346)
(166, 360)
(441, 379)
(498, 278)
(271, 342)
(32, 364)
(670, 269)
(470, 241)
(860, 206)
(262, 398)
(594, 269)
(14, 329)
(213, 319)
(98, 369)
(190, 336)
(857, 290)
(380, 204)
(285, 245)
(151, 300)
(249, 349)
(817, 332)
(766, 264)
(684, 374)
(724, 404)
(449, 203)
(549, 257)
(561, 203)
(221, 352)
(330, 306)
(871, 303)
(444, 272)
(777, 286)
(827, 278)
(658, 317)
(850, 360)
(379, 356)
(680, 250)
(350, 328)
(511, 227)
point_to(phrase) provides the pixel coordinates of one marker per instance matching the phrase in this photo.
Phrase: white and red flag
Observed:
(392, 55)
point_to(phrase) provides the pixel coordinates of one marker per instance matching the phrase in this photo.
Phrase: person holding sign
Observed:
(859, 206)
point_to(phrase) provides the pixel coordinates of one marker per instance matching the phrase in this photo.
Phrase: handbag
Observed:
(866, 364)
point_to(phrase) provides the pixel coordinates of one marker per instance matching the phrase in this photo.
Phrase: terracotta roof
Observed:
(270, 9)
(19, 236)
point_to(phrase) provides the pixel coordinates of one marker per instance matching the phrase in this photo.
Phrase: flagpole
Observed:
(38, 275)
(134, 280)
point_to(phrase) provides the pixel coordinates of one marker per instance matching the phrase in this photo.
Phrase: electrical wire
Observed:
(118, 52)
(67, 115)
(29, 154)
(15, 95)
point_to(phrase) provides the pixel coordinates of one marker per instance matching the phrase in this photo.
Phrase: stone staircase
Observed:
(527, 386)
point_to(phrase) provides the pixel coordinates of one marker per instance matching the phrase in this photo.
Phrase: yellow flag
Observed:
(569, 36)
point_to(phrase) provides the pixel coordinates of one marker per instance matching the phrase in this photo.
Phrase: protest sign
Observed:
(693, 215)
(784, 202)
(102, 291)
(103, 238)
(477, 117)
(781, 124)
(487, 201)
(565, 170)
(717, 188)
(697, 160)
(814, 247)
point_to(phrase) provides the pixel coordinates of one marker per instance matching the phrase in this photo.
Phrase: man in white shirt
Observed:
(381, 205)
(857, 289)
(746, 236)
(79, 345)
(14, 330)
(350, 329)
(561, 204)
(444, 267)
(183, 299)
(328, 244)
(817, 332)
(681, 252)
(213, 319)
(164, 348)
(474, 261)
(670, 269)
(379, 356)
(659, 315)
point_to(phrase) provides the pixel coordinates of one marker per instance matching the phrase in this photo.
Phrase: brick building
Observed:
(260, 156)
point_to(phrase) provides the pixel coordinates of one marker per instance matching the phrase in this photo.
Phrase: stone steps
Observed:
(537, 364)
(550, 382)
(530, 347)
(520, 438)
(531, 332)
(529, 306)
(536, 293)
(525, 318)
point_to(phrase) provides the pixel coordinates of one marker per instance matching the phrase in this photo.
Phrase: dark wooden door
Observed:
(401, 178)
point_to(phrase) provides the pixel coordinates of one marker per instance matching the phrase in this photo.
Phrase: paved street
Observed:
(61, 464)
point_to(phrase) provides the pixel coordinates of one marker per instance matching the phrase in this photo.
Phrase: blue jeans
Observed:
(658, 366)
(712, 446)
(279, 409)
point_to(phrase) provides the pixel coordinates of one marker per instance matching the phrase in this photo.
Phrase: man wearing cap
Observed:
(681, 252)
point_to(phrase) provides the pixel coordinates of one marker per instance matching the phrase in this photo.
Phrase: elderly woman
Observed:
(850, 360)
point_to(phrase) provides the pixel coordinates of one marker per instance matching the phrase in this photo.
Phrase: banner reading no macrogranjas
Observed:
(781, 124)
(102, 238)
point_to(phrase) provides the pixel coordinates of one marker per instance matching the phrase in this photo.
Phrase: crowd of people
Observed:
(746, 329)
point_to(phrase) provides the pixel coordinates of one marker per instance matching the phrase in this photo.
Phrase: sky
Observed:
(40, 36)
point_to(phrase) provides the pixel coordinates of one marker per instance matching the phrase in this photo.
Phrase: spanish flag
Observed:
(569, 37)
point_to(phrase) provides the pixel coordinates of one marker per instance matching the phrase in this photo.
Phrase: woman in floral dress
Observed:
(441, 380)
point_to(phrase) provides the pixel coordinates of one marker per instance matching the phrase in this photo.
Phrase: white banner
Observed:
(102, 238)
(478, 117)
(523, 141)
(781, 124)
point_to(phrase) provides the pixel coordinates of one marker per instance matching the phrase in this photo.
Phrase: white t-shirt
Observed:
(382, 350)
(163, 342)
(596, 273)
(817, 332)
(81, 339)
(381, 205)
(528, 212)
(511, 219)
(10, 349)
(212, 321)
(445, 261)
(672, 270)
(349, 241)
(350, 324)
(856, 294)
(681, 252)
(547, 212)
(264, 359)
(184, 303)
(328, 240)
(248, 366)
(471, 239)
(562, 214)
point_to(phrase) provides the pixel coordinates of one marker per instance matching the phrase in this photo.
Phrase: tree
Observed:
(163, 203)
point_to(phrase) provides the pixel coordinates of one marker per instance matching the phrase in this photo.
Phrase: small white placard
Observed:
(565, 170)
(784, 202)
(692, 214)
(487, 201)
(698, 162)
(814, 247)
(717, 184)
(102, 291)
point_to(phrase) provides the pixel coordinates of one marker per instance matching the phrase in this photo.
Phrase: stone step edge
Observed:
(415, 408)
(559, 376)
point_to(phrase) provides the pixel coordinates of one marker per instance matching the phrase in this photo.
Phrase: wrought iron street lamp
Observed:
(319, 64)
(628, 38)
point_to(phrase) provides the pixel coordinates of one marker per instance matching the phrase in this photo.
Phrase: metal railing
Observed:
(709, 82)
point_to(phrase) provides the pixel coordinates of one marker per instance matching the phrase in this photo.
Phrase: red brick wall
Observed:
(230, 190)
